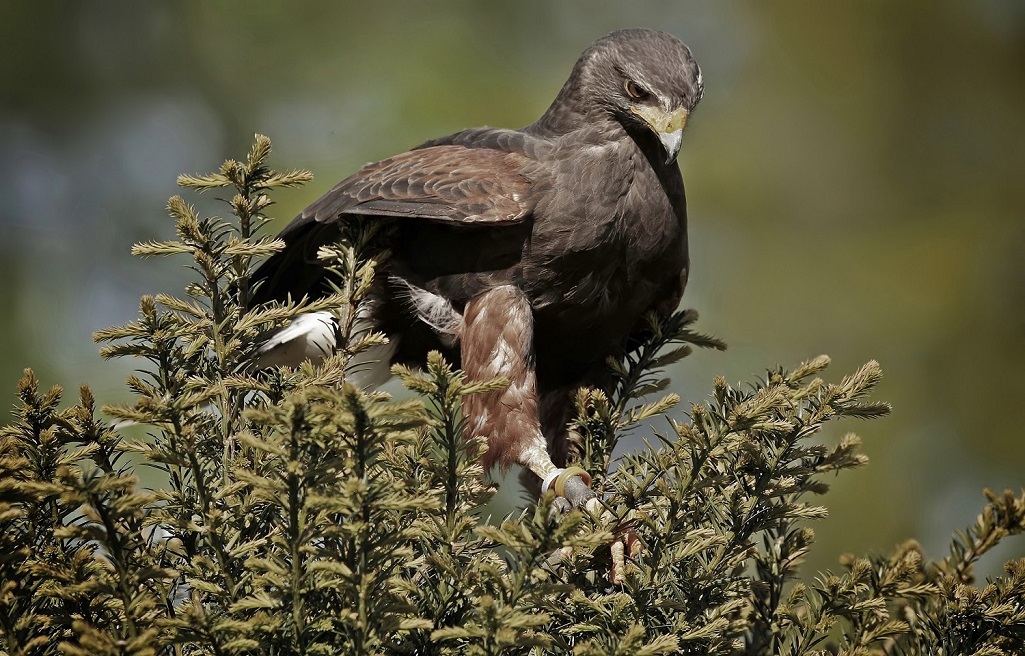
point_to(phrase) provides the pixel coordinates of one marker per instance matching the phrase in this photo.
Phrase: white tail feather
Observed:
(312, 337)
(308, 337)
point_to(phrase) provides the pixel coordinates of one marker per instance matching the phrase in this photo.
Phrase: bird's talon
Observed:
(559, 485)
(617, 571)
(578, 494)
(574, 485)
(626, 543)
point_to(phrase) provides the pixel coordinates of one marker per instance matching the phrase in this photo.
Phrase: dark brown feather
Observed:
(447, 183)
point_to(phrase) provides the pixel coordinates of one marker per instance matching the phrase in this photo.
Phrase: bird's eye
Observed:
(636, 91)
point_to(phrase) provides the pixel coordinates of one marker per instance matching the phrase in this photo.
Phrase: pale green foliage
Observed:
(302, 515)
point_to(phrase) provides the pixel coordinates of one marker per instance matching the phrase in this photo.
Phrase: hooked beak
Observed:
(667, 126)
(671, 141)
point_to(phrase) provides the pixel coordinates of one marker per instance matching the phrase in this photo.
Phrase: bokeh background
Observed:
(855, 177)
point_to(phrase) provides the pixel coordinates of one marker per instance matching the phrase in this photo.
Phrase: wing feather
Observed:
(447, 183)
(474, 178)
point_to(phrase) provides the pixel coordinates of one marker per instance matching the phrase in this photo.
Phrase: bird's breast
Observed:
(591, 273)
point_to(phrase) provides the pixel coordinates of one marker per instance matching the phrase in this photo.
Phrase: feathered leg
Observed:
(497, 340)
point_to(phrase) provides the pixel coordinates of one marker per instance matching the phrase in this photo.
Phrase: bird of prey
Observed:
(525, 254)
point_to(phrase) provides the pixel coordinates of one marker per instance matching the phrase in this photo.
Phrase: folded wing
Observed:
(448, 184)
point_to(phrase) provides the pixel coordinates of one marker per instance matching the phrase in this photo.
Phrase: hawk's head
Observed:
(645, 79)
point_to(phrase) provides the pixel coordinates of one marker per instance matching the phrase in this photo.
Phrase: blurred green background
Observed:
(855, 177)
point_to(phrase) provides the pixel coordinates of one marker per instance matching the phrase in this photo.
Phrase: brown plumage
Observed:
(529, 254)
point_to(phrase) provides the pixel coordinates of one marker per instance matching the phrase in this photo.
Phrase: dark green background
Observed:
(855, 175)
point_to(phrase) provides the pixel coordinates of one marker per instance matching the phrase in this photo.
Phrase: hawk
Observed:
(525, 254)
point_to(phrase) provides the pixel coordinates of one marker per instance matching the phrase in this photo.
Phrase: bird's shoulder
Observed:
(518, 143)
